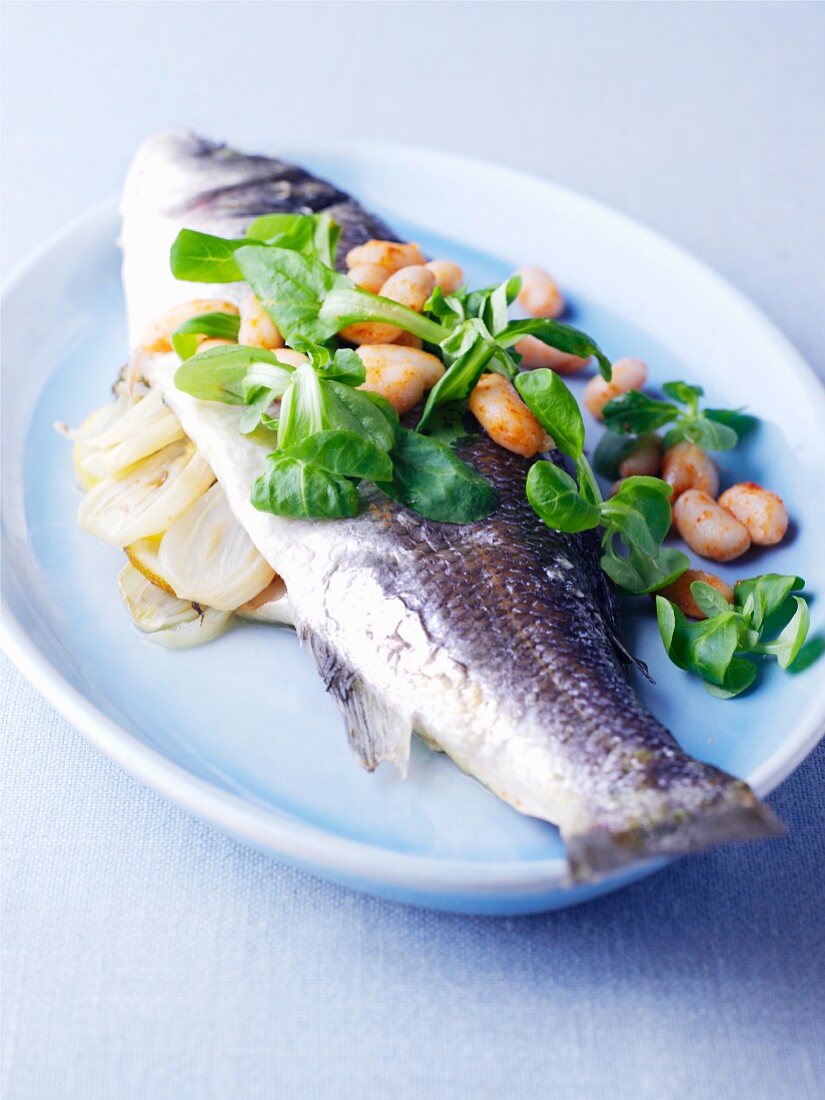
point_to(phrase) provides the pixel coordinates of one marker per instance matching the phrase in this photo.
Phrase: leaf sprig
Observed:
(766, 619)
(638, 516)
(329, 436)
(634, 413)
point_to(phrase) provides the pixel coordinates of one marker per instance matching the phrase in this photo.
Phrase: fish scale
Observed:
(496, 641)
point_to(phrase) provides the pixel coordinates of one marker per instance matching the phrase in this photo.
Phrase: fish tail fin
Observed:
(673, 827)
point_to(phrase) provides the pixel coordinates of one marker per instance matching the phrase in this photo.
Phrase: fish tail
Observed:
(732, 813)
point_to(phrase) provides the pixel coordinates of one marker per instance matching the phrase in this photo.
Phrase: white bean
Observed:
(401, 374)
(371, 332)
(686, 466)
(679, 591)
(291, 358)
(708, 529)
(410, 287)
(157, 336)
(448, 275)
(497, 407)
(535, 353)
(257, 330)
(391, 255)
(213, 342)
(628, 374)
(539, 294)
(369, 277)
(407, 340)
(761, 511)
(645, 459)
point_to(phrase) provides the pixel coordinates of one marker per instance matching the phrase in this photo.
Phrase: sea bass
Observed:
(496, 642)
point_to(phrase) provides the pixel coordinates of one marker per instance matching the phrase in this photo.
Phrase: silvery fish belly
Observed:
(496, 642)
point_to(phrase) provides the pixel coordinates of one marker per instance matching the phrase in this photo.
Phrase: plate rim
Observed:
(298, 840)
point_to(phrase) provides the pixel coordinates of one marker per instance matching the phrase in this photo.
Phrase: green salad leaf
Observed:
(224, 326)
(637, 518)
(220, 374)
(433, 481)
(557, 335)
(719, 648)
(634, 413)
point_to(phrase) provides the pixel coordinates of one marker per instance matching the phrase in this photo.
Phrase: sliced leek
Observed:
(166, 620)
(207, 556)
(148, 498)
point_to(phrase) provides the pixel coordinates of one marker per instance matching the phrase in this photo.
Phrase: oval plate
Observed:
(240, 732)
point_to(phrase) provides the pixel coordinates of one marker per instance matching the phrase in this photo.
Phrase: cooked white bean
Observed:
(761, 511)
(213, 342)
(497, 407)
(708, 529)
(410, 287)
(448, 275)
(157, 336)
(291, 358)
(400, 374)
(391, 255)
(407, 340)
(369, 277)
(628, 374)
(645, 459)
(686, 466)
(679, 591)
(539, 294)
(257, 330)
(535, 353)
(370, 332)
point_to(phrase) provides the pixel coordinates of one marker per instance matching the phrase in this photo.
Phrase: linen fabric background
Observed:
(147, 956)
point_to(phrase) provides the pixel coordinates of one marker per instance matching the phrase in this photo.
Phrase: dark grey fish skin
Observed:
(529, 613)
(496, 641)
(230, 188)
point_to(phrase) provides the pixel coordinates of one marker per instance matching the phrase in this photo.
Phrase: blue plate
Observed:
(240, 731)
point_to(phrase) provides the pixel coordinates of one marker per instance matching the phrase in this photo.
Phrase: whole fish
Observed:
(497, 642)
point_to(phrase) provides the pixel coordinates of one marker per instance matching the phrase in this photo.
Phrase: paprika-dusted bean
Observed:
(628, 374)
(391, 255)
(497, 407)
(257, 329)
(407, 340)
(157, 336)
(686, 466)
(679, 591)
(369, 277)
(535, 353)
(645, 459)
(448, 275)
(400, 374)
(708, 529)
(761, 511)
(410, 287)
(290, 357)
(539, 295)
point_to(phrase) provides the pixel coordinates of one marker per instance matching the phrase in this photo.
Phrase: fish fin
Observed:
(735, 814)
(377, 732)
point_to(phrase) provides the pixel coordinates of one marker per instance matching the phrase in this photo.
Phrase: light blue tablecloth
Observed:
(146, 956)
